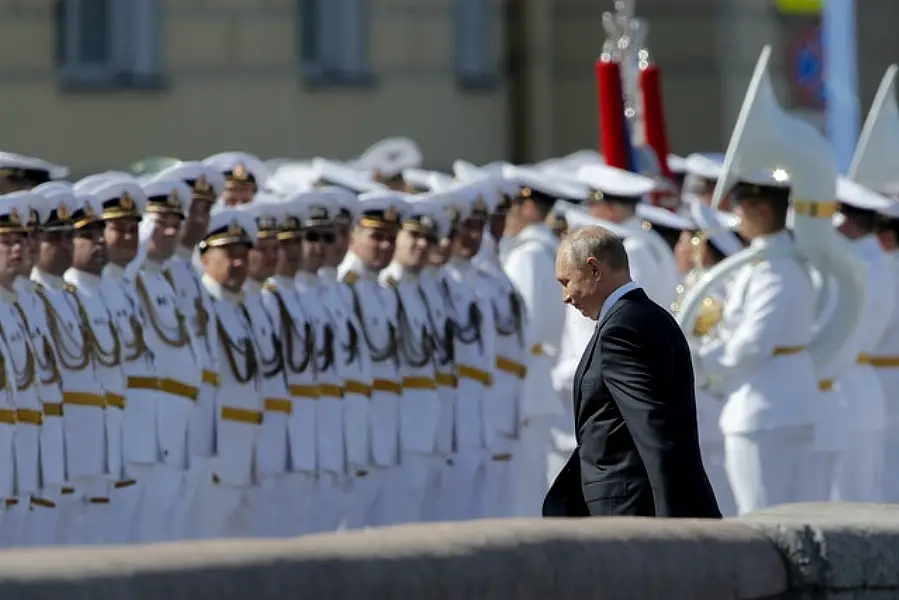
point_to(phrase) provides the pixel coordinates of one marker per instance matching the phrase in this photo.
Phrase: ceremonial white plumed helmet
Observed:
(767, 142)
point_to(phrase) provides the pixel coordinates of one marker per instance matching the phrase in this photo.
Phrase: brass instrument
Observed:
(711, 309)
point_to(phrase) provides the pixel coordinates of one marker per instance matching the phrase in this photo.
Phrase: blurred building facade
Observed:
(100, 83)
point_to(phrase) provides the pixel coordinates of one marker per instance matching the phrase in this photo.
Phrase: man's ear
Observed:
(592, 264)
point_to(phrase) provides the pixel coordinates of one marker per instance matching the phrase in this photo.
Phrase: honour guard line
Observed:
(230, 347)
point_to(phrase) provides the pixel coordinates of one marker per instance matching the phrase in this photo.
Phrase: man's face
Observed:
(755, 218)
(374, 246)
(227, 265)
(165, 236)
(440, 252)
(263, 258)
(581, 284)
(468, 238)
(89, 248)
(55, 251)
(12, 249)
(290, 253)
(238, 192)
(336, 251)
(316, 241)
(121, 236)
(412, 250)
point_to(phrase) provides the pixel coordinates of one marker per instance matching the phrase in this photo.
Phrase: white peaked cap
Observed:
(194, 171)
(230, 226)
(547, 184)
(168, 195)
(119, 197)
(718, 226)
(424, 179)
(706, 165)
(677, 164)
(99, 179)
(13, 160)
(240, 165)
(390, 156)
(576, 218)
(663, 217)
(856, 195)
(381, 208)
(330, 172)
(615, 182)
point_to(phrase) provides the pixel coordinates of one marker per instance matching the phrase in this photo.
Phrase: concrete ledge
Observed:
(835, 551)
(799, 551)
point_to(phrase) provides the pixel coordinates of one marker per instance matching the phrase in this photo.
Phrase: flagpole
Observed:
(838, 40)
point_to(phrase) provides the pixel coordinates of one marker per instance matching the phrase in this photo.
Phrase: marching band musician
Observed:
(372, 246)
(860, 467)
(271, 452)
(84, 399)
(710, 243)
(20, 411)
(103, 343)
(473, 351)
(886, 357)
(333, 227)
(298, 347)
(220, 507)
(43, 520)
(766, 376)
(420, 404)
(178, 374)
(123, 203)
(205, 184)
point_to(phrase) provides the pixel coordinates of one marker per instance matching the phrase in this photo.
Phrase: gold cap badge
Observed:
(174, 200)
(240, 172)
(62, 212)
(14, 216)
(234, 229)
(126, 201)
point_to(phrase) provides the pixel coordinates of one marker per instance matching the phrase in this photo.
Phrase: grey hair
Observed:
(595, 242)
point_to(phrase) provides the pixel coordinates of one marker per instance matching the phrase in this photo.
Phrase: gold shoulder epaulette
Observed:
(270, 286)
(391, 281)
(351, 278)
(69, 287)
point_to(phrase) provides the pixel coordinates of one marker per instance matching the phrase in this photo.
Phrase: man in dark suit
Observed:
(634, 397)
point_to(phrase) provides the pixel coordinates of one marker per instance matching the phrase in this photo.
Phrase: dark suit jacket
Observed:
(635, 422)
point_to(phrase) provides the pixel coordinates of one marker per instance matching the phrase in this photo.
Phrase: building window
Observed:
(333, 41)
(108, 43)
(474, 61)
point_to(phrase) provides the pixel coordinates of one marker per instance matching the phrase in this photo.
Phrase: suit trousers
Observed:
(764, 467)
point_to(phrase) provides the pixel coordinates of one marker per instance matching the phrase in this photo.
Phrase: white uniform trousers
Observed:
(537, 460)
(462, 484)
(40, 524)
(295, 493)
(366, 503)
(408, 488)
(860, 468)
(713, 461)
(220, 511)
(891, 451)
(329, 508)
(125, 502)
(764, 467)
(158, 504)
